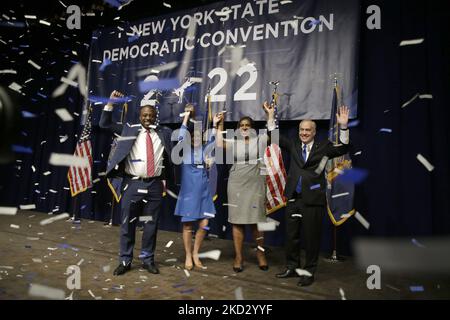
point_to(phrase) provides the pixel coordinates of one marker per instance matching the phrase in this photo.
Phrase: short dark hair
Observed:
(147, 106)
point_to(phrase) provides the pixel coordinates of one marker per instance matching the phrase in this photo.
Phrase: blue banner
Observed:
(233, 48)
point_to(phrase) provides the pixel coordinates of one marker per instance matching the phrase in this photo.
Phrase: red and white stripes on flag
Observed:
(81, 178)
(275, 179)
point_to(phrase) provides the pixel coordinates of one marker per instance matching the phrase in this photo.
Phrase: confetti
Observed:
(426, 96)
(27, 206)
(14, 86)
(342, 293)
(169, 244)
(354, 175)
(411, 42)
(64, 114)
(53, 219)
(80, 262)
(357, 153)
(302, 272)
(165, 4)
(340, 195)
(38, 290)
(297, 215)
(238, 293)
(126, 138)
(68, 160)
(63, 138)
(8, 71)
(410, 100)
(21, 149)
(316, 186)
(386, 130)
(9, 211)
(14, 226)
(28, 16)
(261, 248)
(207, 214)
(285, 2)
(361, 219)
(37, 260)
(425, 162)
(321, 165)
(187, 273)
(142, 191)
(416, 288)
(213, 254)
(34, 64)
(44, 22)
(145, 218)
(90, 292)
(146, 86)
(266, 226)
(417, 243)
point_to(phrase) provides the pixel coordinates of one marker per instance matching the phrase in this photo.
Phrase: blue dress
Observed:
(195, 201)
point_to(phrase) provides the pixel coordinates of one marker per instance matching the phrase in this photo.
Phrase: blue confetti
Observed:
(83, 206)
(21, 149)
(206, 228)
(386, 130)
(97, 161)
(353, 123)
(354, 175)
(71, 100)
(133, 38)
(137, 160)
(417, 243)
(187, 291)
(27, 114)
(74, 62)
(24, 133)
(171, 83)
(314, 22)
(316, 186)
(42, 95)
(106, 99)
(416, 288)
(105, 63)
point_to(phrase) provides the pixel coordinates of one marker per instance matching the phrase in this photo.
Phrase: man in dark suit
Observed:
(142, 159)
(305, 190)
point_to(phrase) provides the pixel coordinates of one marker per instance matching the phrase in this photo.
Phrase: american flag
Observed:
(276, 173)
(81, 178)
(275, 179)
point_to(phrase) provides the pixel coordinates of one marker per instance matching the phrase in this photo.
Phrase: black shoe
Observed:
(121, 269)
(151, 268)
(264, 268)
(288, 273)
(238, 269)
(305, 281)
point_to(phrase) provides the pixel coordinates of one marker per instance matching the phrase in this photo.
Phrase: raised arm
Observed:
(188, 110)
(271, 126)
(218, 124)
(106, 116)
(344, 136)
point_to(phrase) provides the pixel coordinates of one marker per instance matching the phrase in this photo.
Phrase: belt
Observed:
(140, 178)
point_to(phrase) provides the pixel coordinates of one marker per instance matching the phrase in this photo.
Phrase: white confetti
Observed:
(425, 162)
(9, 211)
(342, 293)
(346, 215)
(90, 292)
(27, 206)
(340, 195)
(38, 290)
(297, 215)
(69, 82)
(68, 160)
(14, 86)
(14, 226)
(34, 64)
(142, 191)
(169, 244)
(238, 293)
(126, 138)
(172, 194)
(302, 272)
(106, 268)
(213, 254)
(207, 214)
(63, 138)
(37, 260)
(165, 4)
(261, 248)
(80, 262)
(28, 16)
(53, 219)
(101, 174)
(187, 273)
(357, 153)
(361, 219)
(230, 205)
(321, 165)
(266, 226)
(146, 218)
(8, 71)
(426, 96)
(64, 114)
(33, 168)
(410, 100)
(44, 22)
(411, 42)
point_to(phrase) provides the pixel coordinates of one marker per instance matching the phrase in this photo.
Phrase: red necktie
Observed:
(150, 157)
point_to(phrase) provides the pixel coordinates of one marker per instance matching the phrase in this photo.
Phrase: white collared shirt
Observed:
(136, 161)
(308, 149)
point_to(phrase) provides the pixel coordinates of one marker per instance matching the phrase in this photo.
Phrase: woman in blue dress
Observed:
(195, 202)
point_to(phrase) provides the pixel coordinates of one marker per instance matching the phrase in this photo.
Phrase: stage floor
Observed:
(41, 254)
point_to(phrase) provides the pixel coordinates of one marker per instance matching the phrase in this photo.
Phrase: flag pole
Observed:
(334, 257)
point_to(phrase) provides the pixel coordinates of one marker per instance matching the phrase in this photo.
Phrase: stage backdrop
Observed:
(233, 48)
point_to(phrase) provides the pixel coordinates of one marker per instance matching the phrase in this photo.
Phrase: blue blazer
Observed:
(116, 165)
